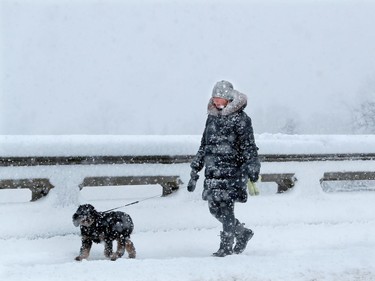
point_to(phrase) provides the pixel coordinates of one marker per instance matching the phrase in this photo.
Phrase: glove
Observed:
(253, 177)
(251, 170)
(193, 181)
(191, 185)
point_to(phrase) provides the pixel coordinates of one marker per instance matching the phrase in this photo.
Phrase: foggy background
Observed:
(148, 67)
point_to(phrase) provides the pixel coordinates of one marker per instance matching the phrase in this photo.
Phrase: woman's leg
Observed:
(223, 211)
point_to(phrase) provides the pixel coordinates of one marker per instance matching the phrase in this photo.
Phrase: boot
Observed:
(226, 244)
(243, 235)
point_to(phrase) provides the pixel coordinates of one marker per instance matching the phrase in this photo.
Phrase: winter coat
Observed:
(227, 151)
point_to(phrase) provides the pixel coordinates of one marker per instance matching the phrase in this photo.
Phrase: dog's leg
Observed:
(120, 250)
(85, 249)
(129, 246)
(108, 249)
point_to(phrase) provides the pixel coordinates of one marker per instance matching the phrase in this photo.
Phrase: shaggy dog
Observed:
(104, 227)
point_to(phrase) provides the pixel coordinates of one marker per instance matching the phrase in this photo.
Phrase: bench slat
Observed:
(347, 176)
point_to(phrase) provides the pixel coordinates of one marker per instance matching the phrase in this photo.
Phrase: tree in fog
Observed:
(290, 127)
(364, 113)
(364, 117)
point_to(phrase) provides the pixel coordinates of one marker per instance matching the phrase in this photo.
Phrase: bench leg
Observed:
(284, 184)
(169, 188)
(38, 192)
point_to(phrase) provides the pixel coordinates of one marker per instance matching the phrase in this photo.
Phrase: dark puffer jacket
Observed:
(228, 152)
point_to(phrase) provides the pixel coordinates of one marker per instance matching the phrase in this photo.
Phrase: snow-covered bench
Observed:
(40, 187)
(154, 169)
(169, 183)
(105, 171)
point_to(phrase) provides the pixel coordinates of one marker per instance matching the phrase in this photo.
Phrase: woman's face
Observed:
(220, 103)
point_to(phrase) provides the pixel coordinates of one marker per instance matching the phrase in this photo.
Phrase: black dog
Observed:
(104, 227)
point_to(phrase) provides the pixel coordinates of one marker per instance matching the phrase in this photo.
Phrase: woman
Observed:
(230, 157)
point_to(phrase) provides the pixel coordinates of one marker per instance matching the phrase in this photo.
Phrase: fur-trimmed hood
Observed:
(239, 102)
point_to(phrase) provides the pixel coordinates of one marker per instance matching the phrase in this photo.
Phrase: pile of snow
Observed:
(90, 145)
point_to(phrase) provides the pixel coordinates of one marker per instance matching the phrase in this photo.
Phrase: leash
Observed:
(132, 203)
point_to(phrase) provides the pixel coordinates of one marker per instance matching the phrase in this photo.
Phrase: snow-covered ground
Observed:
(304, 234)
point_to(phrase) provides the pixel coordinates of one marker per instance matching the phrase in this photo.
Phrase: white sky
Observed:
(142, 67)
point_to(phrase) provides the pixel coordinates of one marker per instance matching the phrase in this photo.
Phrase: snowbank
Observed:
(79, 145)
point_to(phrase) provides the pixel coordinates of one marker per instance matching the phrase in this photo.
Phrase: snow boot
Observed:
(226, 245)
(243, 235)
